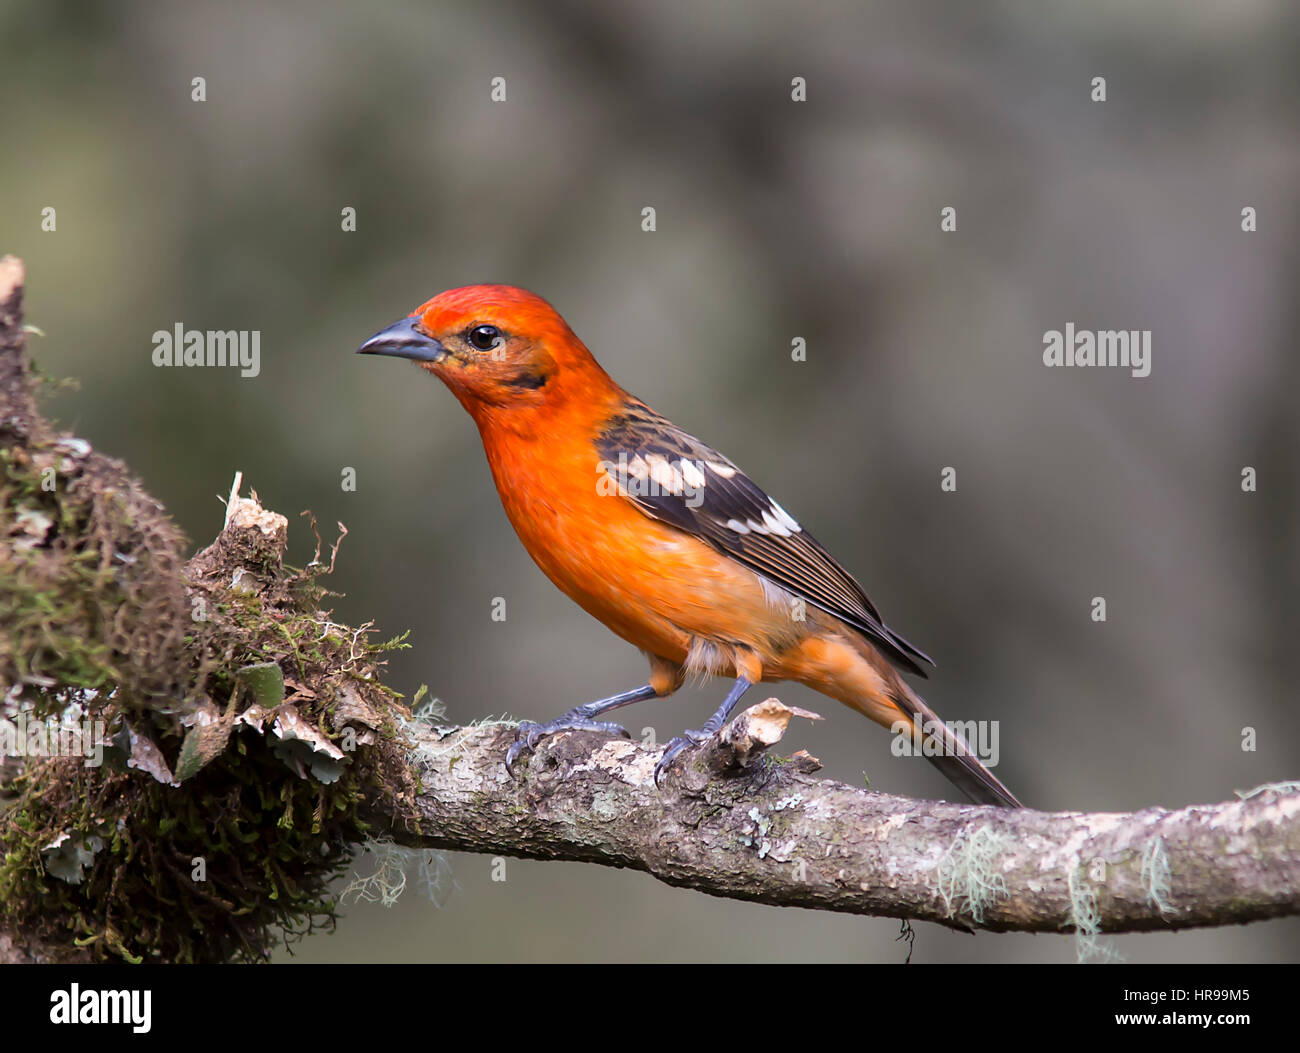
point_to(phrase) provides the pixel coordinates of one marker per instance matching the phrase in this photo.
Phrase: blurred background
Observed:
(775, 219)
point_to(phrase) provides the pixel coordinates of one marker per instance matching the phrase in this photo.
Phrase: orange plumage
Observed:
(654, 533)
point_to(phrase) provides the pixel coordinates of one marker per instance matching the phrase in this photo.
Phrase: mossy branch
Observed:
(251, 747)
(774, 833)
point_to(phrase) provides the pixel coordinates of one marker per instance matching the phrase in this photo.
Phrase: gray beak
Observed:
(403, 340)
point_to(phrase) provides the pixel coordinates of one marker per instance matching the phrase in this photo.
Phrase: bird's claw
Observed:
(686, 740)
(530, 734)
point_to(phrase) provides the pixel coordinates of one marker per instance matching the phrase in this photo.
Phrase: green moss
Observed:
(101, 609)
(89, 589)
(238, 856)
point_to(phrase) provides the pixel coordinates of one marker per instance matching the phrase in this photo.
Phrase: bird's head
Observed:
(500, 349)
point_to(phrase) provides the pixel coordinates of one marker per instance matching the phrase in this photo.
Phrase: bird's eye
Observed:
(484, 337)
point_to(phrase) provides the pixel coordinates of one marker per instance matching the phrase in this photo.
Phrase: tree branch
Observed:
(773, 833)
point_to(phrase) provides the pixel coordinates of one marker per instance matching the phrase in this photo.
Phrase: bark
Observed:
(774, 833)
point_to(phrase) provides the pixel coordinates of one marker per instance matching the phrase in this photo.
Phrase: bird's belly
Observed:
(659, 588)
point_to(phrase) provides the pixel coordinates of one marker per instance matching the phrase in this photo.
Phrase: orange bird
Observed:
(658, 535)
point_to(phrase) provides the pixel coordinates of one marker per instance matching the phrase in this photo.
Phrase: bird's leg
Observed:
(580, 718)
(711, 727)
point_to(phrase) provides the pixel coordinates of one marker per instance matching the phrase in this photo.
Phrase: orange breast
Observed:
(654, 585)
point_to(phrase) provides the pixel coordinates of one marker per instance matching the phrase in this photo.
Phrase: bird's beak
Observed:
(403, 340)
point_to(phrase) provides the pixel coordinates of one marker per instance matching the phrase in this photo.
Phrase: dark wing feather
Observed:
(710, 497)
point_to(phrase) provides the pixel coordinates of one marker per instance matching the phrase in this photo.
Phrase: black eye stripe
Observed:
(531, 381)
(483, 337)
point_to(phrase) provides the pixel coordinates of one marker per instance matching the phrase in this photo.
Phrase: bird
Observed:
(661, 537)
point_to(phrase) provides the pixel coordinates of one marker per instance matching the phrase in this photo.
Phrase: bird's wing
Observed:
(673, 477)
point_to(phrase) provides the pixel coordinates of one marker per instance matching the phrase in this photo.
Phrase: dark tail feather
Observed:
(959, 765)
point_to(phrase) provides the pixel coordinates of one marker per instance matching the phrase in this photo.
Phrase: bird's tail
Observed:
(948, 752)
(850, 669)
